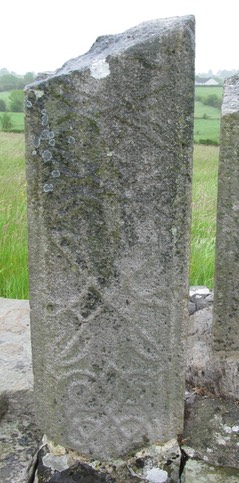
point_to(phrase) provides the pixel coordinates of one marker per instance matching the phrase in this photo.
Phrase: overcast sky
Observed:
(41, 35)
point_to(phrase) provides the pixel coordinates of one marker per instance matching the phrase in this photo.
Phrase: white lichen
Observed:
(38, 93)
(36, 141)
(46, 155)
(71, 140)
(56, 173)
(100, 69)
(45, 134)
(47, 188)
(56, 463)
(44, 120)
(156, 475)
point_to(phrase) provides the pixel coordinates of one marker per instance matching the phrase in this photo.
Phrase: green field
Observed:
(207, 90)
(201, 110)
(13, 216)
(206, 131)
(207, 118)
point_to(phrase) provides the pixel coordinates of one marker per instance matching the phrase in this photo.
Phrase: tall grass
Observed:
(13, 217)
(203, 231)
(13, 223)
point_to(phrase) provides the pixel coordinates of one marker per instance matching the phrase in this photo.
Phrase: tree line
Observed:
(9, 81)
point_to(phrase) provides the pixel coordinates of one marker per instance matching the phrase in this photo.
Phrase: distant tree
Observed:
(218, 79)
(8, 82)
(20, 83)
(6, 122)
(4, 71)
(16, 101)
(212, 100)
(29, 77)
(3, 106)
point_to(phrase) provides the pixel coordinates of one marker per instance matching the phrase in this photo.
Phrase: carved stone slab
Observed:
(226, 306)
(109, 164)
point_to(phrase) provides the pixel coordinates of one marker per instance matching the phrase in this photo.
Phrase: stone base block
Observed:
(215, 371)
(153, 464)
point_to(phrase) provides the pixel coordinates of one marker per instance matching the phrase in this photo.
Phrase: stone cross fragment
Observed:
(226, 296)
(109, 140)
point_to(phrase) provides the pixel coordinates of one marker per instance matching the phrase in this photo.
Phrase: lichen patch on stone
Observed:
(100, 69)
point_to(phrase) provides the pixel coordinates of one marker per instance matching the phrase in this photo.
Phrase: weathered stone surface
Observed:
(154, 464)
(109, 150)
(19, 435)
(212, 429)
(226, 307)
(15, 354)
(19, 438)
(201, 472)
(200, 297)
(216, 371)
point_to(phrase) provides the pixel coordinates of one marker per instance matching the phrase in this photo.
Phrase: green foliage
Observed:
(16, 101)
(5, 97)
(6, 122)
(17, 118)
(208, 142)
(3, 71)
(16, 122)
(212, 100)
(29, 78)
(3, 106)
(11, 81)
